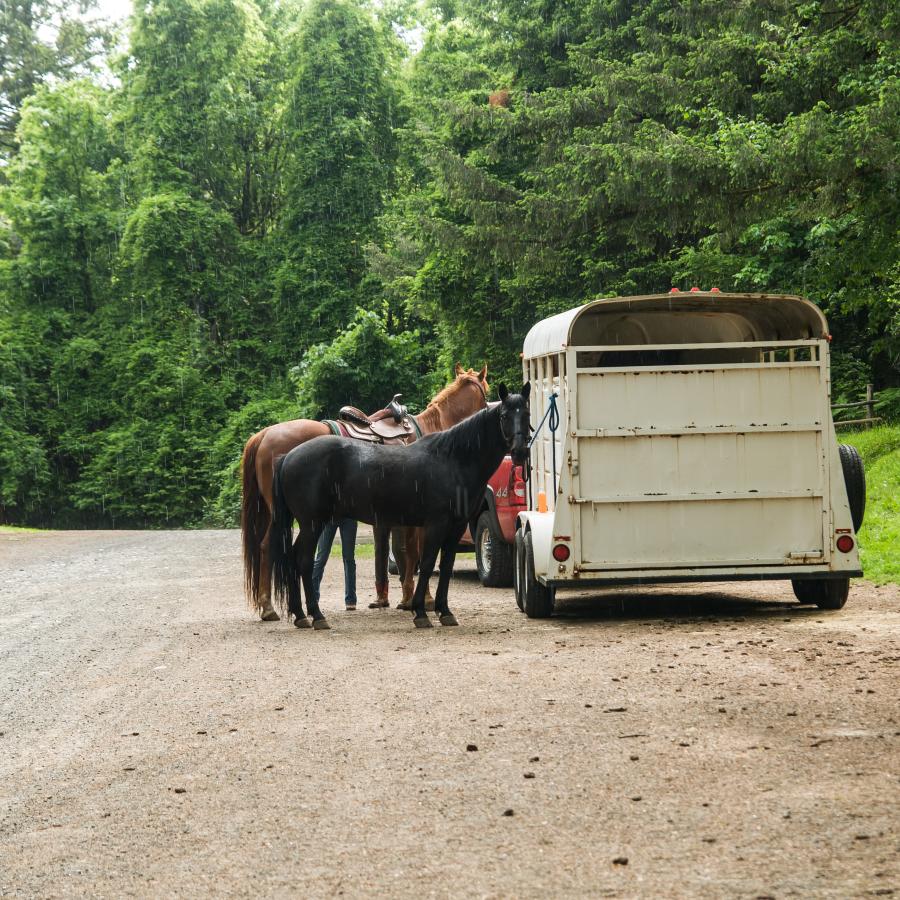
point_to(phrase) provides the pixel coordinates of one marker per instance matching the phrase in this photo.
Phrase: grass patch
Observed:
(15, 529)
(879, 537)
(363, 551)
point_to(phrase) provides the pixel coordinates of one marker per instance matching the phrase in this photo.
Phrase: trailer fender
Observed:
(541, 527)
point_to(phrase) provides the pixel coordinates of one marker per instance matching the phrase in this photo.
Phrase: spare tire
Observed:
(855, 480)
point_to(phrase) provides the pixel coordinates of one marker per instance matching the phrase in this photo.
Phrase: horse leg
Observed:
(307, 542)
(407, 563)
(295, 602)
(401, 547)
(266, 610)
(419, 539)
(448, 557)
(414, 541)
(382, 536)
(426, 567)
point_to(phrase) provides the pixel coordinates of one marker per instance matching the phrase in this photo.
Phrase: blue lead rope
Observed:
(553, 414)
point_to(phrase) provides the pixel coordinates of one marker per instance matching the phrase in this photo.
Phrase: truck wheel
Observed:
(519, 579)
(855, 479)
(826, 594)
(493, 556)
(536, 597)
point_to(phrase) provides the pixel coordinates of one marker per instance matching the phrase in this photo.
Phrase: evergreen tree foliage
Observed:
(273, 209)
(192, 82)
(41, 42)
(339, 154)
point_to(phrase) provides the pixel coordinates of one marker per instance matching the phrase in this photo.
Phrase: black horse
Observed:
(438, 482)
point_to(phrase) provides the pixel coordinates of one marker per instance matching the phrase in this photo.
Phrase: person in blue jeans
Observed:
(348, 551)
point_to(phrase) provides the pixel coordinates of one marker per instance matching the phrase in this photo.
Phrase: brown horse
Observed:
(465, 395)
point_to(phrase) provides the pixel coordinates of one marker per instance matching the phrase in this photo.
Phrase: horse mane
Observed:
(466, 433)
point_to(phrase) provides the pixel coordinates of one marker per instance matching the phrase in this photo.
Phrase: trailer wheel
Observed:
(519, 573)
(826, 594)
(855, 480)
(536, 598)
(493, 556)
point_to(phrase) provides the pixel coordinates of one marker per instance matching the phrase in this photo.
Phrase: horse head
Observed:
(515, 422)
(470, 376)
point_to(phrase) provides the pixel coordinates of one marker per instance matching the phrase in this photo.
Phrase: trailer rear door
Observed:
(710, 463)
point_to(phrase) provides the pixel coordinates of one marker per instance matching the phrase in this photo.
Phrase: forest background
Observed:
(237, 212)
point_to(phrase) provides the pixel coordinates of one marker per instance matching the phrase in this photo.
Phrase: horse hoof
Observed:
(448, 619)
(429, 604)
(302, 622)
(269, 616)
(405, 605)
(422, 622)
(321, 624)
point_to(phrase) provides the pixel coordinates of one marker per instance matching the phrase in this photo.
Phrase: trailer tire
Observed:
(826, 594)
(537, 599)
(519, 572)
(855, 480)
(493, 555)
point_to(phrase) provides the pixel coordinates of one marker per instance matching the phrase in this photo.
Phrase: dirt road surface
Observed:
(698, 741)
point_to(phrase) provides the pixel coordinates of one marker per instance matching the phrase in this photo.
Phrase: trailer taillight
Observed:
(561, 552)
(517, 481)
(844, 543)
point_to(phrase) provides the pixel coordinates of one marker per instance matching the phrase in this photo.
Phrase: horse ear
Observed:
(503, 392)
(526, 390)
(483, 373)
(458, 370)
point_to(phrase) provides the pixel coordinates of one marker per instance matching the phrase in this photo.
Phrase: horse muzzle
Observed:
(519, 455)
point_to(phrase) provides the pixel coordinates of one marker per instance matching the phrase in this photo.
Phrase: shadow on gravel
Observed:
(662, 603)
(658, 605)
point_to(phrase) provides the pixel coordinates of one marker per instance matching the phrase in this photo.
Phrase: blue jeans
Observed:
(348, 551)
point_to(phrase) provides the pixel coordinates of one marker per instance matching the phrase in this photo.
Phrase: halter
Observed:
(509, 438)
(476, 380)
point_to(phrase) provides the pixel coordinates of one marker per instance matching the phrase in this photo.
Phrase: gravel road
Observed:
(690, 741)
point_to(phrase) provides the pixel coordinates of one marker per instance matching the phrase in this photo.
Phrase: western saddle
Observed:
(391, 425)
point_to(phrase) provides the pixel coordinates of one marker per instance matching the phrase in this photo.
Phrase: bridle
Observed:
(474, 379)
(507, 437)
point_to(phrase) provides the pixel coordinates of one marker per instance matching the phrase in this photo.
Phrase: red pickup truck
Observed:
(495, 526)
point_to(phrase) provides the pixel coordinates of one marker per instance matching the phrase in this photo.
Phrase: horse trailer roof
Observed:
(683, 318)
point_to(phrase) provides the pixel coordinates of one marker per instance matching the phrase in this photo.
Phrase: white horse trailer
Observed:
(694, 443)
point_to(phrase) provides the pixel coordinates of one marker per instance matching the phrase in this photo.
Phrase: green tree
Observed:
(201, 100)
(62, 209)
(340, 153)
(62, 201)
(24, 469)
(750, 144)
(365, 365)
(42, 41)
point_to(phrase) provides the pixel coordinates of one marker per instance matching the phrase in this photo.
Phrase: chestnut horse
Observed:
(465, 395)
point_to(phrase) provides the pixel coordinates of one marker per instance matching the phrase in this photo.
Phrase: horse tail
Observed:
(254, 520)
(281, 552)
